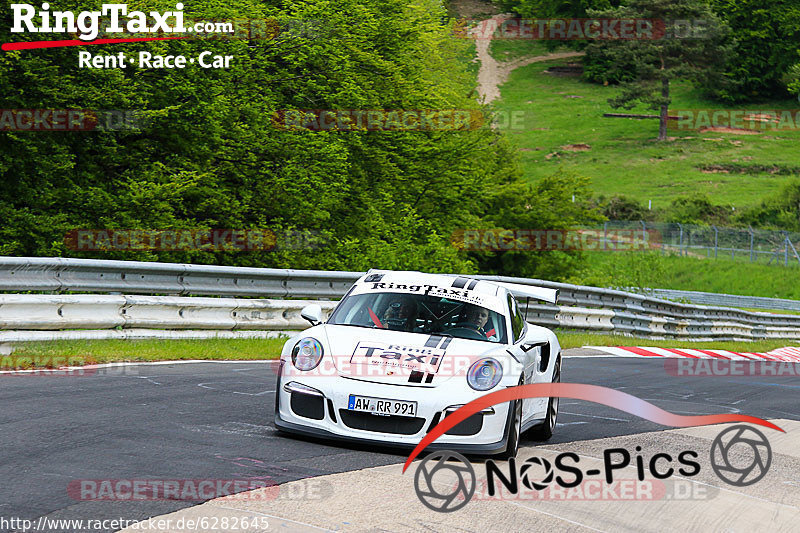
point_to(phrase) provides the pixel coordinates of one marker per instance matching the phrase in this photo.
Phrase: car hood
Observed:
(402, 358)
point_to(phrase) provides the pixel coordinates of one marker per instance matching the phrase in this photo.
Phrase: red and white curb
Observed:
(791, 354)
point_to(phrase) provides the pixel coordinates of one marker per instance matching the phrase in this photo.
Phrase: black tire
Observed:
(514, 429)
(278, 393)
(545, 430)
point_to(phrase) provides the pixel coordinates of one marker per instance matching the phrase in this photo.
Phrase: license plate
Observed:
(381, 406)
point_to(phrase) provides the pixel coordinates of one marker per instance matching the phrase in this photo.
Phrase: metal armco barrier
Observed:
(61, 274)
(580, 307)
(89, 311)
(727, 300)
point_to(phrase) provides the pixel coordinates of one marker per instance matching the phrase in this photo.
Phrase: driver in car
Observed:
(400, 315)
(475, 317)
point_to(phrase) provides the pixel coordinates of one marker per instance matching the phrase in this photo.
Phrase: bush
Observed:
(623, 208)
(546, 204)
(766, 39)
(792, 80)
(210, 155)
(698, 210)
(780, 211)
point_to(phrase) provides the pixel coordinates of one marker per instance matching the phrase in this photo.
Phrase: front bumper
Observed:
(326, 416)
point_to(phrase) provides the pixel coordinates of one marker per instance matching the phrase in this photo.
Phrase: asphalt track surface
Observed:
(214, 421)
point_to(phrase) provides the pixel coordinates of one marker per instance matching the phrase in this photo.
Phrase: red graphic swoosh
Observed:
(578, 391)
(374, 318)
(29, 45)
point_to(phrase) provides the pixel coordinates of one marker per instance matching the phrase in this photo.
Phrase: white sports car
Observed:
(402, 350)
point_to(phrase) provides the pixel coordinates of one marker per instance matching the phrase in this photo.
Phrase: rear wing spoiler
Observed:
(530, 291)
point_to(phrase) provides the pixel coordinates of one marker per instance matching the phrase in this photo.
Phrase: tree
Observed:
(210, 156)
(696, 53)
(556, 8)
(792, 80)
(781, 210)
(548, 205)
(765, 36)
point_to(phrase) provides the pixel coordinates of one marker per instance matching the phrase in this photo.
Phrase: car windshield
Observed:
(420, 313)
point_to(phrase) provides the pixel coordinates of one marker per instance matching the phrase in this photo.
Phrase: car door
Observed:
(529, 357)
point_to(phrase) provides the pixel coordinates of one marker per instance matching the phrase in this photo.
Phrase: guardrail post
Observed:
(644, 233)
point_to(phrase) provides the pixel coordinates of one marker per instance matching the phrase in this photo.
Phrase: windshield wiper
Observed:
(371, 326)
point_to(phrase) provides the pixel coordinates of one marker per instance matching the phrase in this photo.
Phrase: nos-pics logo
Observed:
(445, 481)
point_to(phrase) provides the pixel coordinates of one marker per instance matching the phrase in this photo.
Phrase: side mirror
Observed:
(528, 346)
(312, 313)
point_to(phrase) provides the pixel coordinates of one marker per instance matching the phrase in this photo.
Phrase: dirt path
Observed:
(493, 73)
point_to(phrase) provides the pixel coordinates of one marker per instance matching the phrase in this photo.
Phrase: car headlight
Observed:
(307, 354)
(484, 374)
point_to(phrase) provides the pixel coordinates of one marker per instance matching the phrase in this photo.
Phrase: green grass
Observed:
(511, 49)
(651, 269)
(773, 311)
(624, 157)
(467, 57)
(76, 353)
(573, 339)
(60, 353)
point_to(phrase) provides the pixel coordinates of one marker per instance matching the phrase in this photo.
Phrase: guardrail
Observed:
(62, 274)
(726, 300)
(29, 317)
(580, 307)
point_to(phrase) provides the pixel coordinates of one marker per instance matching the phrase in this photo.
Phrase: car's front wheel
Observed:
(545, 430)
(514, 429)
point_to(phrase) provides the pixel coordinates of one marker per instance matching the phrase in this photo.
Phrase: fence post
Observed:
(605, 234)
(688, 242)
(794, 250)
(716, 240)
(644, 233)
(785, 249)
(752, 238)
(680, 239)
